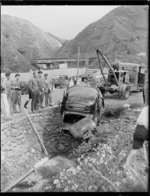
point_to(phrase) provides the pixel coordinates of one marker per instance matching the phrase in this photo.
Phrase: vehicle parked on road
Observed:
(93, 77)
(81, 110)
(61, 82)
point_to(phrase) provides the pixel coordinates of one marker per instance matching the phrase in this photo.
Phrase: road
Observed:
(57, 95)
(110, 101)
(107, 131)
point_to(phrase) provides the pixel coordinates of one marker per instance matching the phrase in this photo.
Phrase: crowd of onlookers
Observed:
(39, 89)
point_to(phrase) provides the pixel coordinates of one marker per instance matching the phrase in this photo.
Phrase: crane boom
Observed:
(109, 65)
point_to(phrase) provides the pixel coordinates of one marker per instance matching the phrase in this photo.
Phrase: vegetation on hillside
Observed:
(122, 33)
(22, 42)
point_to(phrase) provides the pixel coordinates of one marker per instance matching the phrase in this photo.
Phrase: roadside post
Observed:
(78, 62)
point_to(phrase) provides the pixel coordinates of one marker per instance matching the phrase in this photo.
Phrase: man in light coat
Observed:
(9, 88)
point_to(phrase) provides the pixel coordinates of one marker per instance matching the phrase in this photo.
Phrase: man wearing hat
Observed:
(16, 96)
(8, 89)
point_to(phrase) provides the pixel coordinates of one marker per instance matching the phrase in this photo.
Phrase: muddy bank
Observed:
(109, 127)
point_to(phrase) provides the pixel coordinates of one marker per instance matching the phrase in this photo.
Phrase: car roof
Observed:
(83, 92)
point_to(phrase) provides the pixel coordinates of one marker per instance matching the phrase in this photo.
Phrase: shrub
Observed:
(103, 169)
(113, 111)
(97, 171)
(136, 105)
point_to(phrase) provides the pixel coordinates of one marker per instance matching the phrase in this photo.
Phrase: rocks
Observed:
(137, 110)
(14, 131)
(20, 146)
(126, 106)
(104, 121)
(33, 150)
(54, 166)
(128, 117)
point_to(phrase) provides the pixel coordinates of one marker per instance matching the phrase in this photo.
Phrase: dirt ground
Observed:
(109, 126)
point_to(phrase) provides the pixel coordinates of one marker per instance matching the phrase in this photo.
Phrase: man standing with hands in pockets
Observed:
(47, 91)
(34, 94)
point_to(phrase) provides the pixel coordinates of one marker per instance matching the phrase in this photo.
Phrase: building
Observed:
(55, 63)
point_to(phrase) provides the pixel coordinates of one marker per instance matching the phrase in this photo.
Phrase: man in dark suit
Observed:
(34, 95)
(40, 83)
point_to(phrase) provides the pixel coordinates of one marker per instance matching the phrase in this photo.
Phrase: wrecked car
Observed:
(81, 110)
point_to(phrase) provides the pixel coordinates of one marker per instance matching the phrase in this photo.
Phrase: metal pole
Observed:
(116, 56)
(18, 180)
(35, 131)
(98, 51)
(78, 61)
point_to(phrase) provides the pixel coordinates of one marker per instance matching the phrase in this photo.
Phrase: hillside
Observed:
(123, 31)
(22, 41)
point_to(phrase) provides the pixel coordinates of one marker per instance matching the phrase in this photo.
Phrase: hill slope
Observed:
(124, 29)
(22, 41)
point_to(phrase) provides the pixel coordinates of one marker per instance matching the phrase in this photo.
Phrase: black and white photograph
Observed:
(74, 98)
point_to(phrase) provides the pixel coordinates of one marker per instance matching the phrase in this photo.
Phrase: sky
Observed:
(62, 21)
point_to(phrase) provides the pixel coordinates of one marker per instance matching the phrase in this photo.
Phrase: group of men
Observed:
(40, 88)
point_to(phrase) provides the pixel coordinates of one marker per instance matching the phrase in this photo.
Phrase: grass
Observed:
(113, 111)
(102, 170)
(136, 105)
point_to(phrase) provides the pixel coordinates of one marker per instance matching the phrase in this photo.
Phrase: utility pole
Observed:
(116, 56)
(109, 48)
(78, 61)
